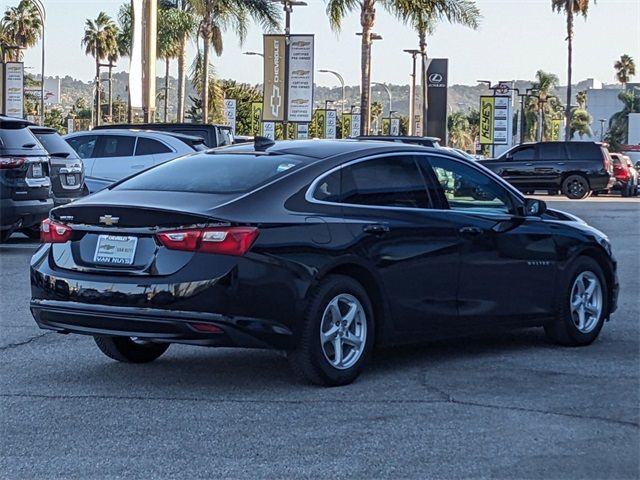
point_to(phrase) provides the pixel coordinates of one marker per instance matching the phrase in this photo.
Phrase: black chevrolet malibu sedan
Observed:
(319, 248)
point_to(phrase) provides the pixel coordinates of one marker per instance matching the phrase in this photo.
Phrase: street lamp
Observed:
(602, 122)
(254, 53)
(42, 12)
(412, 95)
(341, 80)
(388, 93)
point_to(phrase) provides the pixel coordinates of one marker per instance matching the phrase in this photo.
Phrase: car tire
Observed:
(315, 360)
(569, 328)
(128, 350)
(32, 232)
(626, 190)
(4, 235)
(576, 187)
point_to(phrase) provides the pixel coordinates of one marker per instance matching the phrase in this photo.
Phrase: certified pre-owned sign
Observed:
(274, 78)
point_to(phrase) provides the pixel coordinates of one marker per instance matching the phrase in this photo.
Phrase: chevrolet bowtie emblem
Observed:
(109, 220)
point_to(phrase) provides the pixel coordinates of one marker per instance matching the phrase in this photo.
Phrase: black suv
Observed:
(213, 135)
(25, 188)
(575, 168)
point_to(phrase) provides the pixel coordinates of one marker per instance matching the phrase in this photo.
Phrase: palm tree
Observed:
(459, 131)
(407, 10)
(100, 40)
(619, 123)
(21, 27)
(217, 16)
(538, 109)
(581, 123)
(625, 69)
(570, 8)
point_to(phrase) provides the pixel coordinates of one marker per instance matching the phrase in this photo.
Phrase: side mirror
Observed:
(534, 207)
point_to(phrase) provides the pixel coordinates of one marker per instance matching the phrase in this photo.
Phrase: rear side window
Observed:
(84, 145)
(552, 151)
(584, 151)
(385, 182)
(214, 173)
(17, 138)
(147, 146)
(115, 146)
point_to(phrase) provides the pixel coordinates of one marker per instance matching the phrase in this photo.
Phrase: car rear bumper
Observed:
(157, 324)
(23, 213)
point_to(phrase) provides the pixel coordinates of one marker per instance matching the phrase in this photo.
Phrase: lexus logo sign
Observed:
(437, 80)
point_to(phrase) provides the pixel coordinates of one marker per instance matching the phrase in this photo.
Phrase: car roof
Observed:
(39, 129)
(129, 126)
(4, 119)
(320, 149)
(137, 132)
(397, 137)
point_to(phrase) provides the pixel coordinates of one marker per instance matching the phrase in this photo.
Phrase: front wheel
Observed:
(576, 187)
(584, 305)
(337, 333)
(627, 189)
(130, 350)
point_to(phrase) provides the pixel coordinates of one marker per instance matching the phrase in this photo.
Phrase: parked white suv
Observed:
(111, 155)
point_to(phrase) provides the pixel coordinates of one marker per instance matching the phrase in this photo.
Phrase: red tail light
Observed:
(11, 162)
(621, 173)
(54, 232)
(224, 240)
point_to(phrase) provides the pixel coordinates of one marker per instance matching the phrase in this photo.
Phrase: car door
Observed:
(114, 158)
(551, 162)
(158, 151)
(515, 166)
(411, 247)
(508, 262)
(84, 146)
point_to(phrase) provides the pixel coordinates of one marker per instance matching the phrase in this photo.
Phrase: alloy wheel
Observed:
(343, 331)
(586, 301)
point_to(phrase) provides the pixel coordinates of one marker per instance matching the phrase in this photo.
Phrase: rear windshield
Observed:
(17, 138)
(54, 143)
(213, 173)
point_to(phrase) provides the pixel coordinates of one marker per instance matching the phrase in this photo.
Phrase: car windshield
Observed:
(213, 173)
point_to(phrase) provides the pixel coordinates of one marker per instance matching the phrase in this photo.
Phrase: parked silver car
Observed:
(113, 154)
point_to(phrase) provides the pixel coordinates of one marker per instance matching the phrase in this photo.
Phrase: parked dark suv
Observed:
(574, 168)
(25, 188)
(66, 168)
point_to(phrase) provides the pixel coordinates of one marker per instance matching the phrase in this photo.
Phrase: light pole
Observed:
(42, 12)
(412, 95)
(254, 53)
(341, 80)
(388, 93)
(288, 8)
(602, 122)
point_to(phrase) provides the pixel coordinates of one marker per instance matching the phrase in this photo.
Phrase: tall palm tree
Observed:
(408, 10)
(21, 27)
(539, 109)
(570, 8)
(189, 31)
(216, 16)
(625, 69)
(100, 40)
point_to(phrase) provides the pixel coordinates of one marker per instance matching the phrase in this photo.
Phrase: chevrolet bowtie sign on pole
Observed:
(274, 78)
(288, 78)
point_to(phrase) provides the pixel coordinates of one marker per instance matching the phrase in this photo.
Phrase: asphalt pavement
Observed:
(508, 405)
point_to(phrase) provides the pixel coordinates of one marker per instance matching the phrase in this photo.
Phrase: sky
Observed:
(515, 39)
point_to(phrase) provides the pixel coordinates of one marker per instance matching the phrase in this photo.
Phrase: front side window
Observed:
(115, 146)
(83, 145)
(469, 190)
(387, 182)
(524, 154)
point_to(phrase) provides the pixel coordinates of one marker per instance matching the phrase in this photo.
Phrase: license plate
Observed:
(71, 180)
(36, 170)
(115, 250)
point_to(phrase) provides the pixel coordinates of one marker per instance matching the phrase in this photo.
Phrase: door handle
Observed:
(470, 231)
(375, 229)
(137, 166)
(559, 163)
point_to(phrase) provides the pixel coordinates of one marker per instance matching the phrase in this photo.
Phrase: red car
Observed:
(626, 175)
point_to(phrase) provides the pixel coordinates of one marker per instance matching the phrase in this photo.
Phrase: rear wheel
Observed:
(584, 305)
(337, 334)
(627, 189)
(130, 350)
(576, 187)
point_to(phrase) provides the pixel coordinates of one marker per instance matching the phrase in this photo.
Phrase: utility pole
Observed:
(149, 36)
(412, 93)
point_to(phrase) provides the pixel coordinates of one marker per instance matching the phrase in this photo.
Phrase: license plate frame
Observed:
(115, 250)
